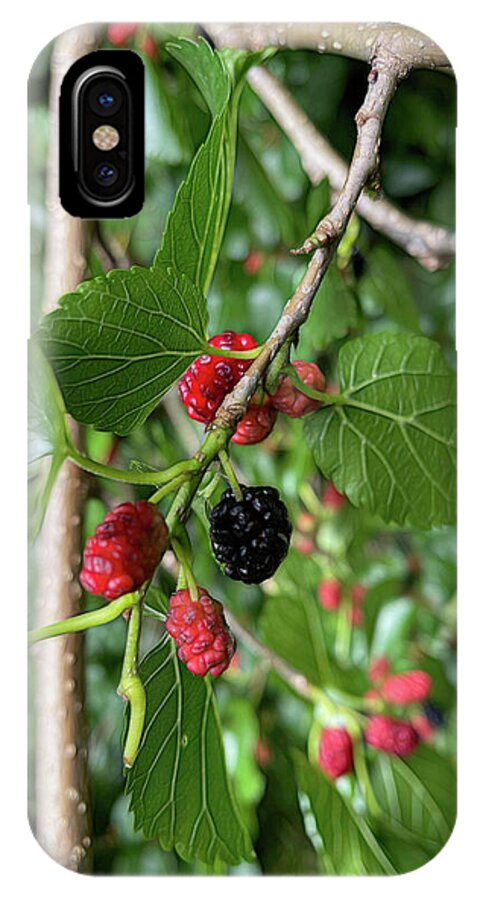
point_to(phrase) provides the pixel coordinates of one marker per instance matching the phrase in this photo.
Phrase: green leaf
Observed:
(346, 843)
(291, 622)
(377, 597)
(333, 315)
(418, 794)
(120, 341)
(389, 445)
(384, 285)
(196, 224)
(392, 626)
(179, 789)
(47, 427)
(241, 731)
(206, 68)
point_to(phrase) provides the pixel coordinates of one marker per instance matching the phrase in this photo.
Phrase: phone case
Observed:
(242, 477)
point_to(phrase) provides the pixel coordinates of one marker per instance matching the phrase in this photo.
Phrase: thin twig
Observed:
(384, 76)
(291, 676)
(432, 245)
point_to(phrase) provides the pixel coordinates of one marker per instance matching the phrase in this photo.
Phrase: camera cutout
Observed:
(102, 135)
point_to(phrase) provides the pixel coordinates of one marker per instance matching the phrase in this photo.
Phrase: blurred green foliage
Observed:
(409, 609)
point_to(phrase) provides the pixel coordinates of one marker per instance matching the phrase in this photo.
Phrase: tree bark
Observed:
(61, 808)
(357, 40)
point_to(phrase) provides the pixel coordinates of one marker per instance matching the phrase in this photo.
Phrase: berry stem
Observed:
(343, 635)
(168, 488)
(321, 396)
(101, 616)
(131, 688)
(185, 467)
(230, 473)
(184, 557)
(361, 770)
(281, 361)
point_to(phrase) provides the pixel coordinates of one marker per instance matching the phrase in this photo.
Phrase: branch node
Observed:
(324, 235)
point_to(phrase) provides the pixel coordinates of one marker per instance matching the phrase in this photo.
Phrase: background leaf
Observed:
(120, 341)
(418, 794)
(385, 287)
(47, 428)
(291, 624)
(48, 434)
(334, 313)
(390, 446)
(178, 785)
(348, 845)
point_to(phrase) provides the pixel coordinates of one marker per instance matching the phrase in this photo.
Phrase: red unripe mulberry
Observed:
(204, 640)
(407, 687)
(119, 33)
(210, 378)
(332, 498)
(393, 736)
(253, 262)
(289, 400)
(336, 752)
(358, 593)
(256, 424)
(125, 550)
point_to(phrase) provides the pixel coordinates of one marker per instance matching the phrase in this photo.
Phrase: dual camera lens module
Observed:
(102, 101)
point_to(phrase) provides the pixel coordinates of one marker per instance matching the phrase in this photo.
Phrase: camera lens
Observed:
(106, 174)
(105, 97)
(106, 100)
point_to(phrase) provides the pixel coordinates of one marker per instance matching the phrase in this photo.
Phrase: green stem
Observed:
(132, 689)
(213, 443)
(184, 467)
(233, 354)
(101, 616)
(230, 473)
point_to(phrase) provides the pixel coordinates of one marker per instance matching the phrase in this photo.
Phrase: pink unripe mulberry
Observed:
(358, 593)
(407, 687)
(289, 400)
(393, 736)
(204, 640)
(336, 752)
(379, 669)
(424, 728)
(329, 594)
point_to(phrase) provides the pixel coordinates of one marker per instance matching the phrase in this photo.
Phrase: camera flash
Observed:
(105, 137)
